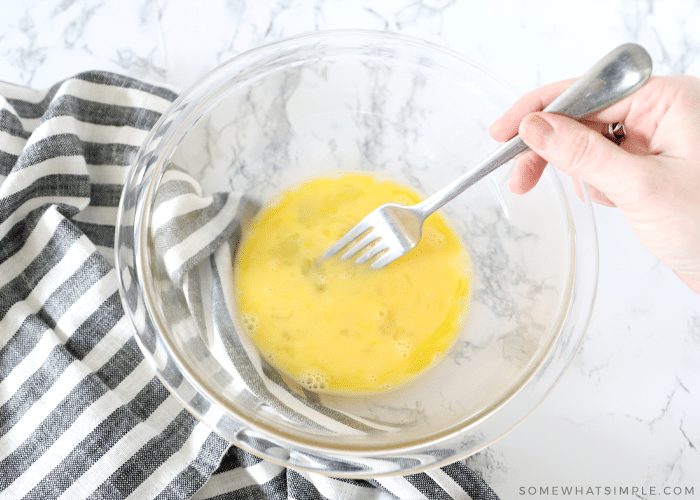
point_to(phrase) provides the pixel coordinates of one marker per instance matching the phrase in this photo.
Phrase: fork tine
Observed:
(385, 259)
(368, 239)
(349, 237)
(372, 252)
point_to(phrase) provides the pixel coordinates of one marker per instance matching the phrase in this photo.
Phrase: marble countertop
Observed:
(626, 416)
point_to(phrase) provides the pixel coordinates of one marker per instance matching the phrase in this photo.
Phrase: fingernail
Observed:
(536, 131)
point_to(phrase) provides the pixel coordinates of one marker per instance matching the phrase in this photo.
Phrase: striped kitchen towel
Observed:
(82, 414)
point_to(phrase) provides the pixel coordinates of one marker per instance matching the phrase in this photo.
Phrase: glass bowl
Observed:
(349, 101)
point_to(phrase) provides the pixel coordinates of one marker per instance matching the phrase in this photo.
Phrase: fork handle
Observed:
(614, 77)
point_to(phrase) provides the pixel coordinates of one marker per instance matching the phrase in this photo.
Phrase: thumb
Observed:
(579, 151)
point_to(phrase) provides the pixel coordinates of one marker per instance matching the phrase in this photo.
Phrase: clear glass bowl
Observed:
(353, 101)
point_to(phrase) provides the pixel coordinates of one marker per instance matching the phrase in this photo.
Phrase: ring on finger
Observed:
(615, 132)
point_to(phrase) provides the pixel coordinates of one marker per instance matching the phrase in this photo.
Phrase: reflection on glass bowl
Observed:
(350, 101)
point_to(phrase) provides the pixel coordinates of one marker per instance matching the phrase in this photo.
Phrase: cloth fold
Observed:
(82, 414)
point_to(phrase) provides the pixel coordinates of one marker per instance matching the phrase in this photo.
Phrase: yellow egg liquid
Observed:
(336, 326)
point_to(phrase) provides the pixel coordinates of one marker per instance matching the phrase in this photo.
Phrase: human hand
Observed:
(653, 177)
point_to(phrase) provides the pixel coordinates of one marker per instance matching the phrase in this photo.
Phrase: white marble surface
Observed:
(627, 414)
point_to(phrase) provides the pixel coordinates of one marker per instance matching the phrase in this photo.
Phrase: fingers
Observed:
(506, 127)
(529, 168)
(580, 152)
(527, 172)
(595, 194)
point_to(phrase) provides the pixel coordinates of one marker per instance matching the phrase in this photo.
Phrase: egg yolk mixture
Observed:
(336, 326)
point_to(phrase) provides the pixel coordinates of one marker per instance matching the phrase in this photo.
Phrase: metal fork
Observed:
(392, 229)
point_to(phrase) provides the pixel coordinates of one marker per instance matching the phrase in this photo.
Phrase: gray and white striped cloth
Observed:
(82, 414)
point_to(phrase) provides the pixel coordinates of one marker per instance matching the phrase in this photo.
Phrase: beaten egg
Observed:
(336, 326)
